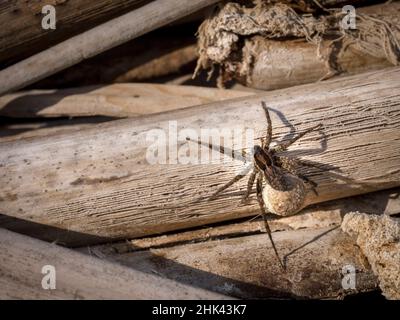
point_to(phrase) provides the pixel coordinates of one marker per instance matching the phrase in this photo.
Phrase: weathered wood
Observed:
(306, 65)
(78, 276)
(322, 215)
(97, 185)
(171, 53)
(21, 29)
(246, 266)
(94, 41)
(118, 100)
(15, 131)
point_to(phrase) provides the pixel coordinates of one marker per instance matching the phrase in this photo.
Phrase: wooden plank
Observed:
(78, 276)
(97, 185)
(117, 100)
(96, 40)
(246, 267)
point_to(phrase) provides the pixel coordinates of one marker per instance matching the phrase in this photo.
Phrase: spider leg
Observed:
(284, 145)
(229, 183)
(265, 142)
(221, 149)
(264, 214)
(250, 183)
(290, 165)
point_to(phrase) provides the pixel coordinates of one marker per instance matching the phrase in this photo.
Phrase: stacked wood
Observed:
(96, 40)
(98, 185)
(267, 60)
(315, 251)
(25, 264)
(21, 32)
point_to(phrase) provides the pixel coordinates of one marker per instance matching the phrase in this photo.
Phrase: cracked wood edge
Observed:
(95, 185)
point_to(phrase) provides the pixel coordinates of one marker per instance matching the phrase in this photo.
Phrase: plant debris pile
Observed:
(225, 39)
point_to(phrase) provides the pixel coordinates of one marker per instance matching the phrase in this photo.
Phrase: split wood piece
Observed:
(328, 214)
(94, 41)
(246, 267)
(100, 184)
(117, 100)
(78, 276)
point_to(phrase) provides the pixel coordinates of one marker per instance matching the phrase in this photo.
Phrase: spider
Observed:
(285, 189)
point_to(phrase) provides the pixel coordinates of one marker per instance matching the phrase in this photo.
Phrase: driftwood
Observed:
(132, 62)
(46, 127)
(306, 65)
(21, 31)
(246, 266)
(208, 262)
(323, 215)
(259, 56)
(118, 100)
(97, 185)
(78, 276)
(94, 41)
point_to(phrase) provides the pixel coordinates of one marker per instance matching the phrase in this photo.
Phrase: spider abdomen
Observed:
(287, 202)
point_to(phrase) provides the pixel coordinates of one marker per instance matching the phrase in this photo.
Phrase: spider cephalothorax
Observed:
(280, 189)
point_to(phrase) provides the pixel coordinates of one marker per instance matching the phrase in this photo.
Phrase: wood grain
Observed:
(87, 44)
(78, 276)
(246, 267)
(323, 215)
(96, 185)
(117, 100)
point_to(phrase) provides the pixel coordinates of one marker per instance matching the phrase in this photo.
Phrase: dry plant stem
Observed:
(99, 39)
(78, 276)
(97, 183)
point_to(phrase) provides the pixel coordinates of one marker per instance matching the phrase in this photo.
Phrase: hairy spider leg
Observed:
(221, 149)
(264, 215)
(284, 145)
(250, 183)
(265, 142)
(231, 182)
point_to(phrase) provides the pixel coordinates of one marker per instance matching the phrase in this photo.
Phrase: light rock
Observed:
(378, 236)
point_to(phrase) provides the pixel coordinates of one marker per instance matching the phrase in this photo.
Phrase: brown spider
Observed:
(285, 190)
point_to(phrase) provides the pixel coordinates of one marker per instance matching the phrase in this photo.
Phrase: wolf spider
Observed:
(285, 185)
